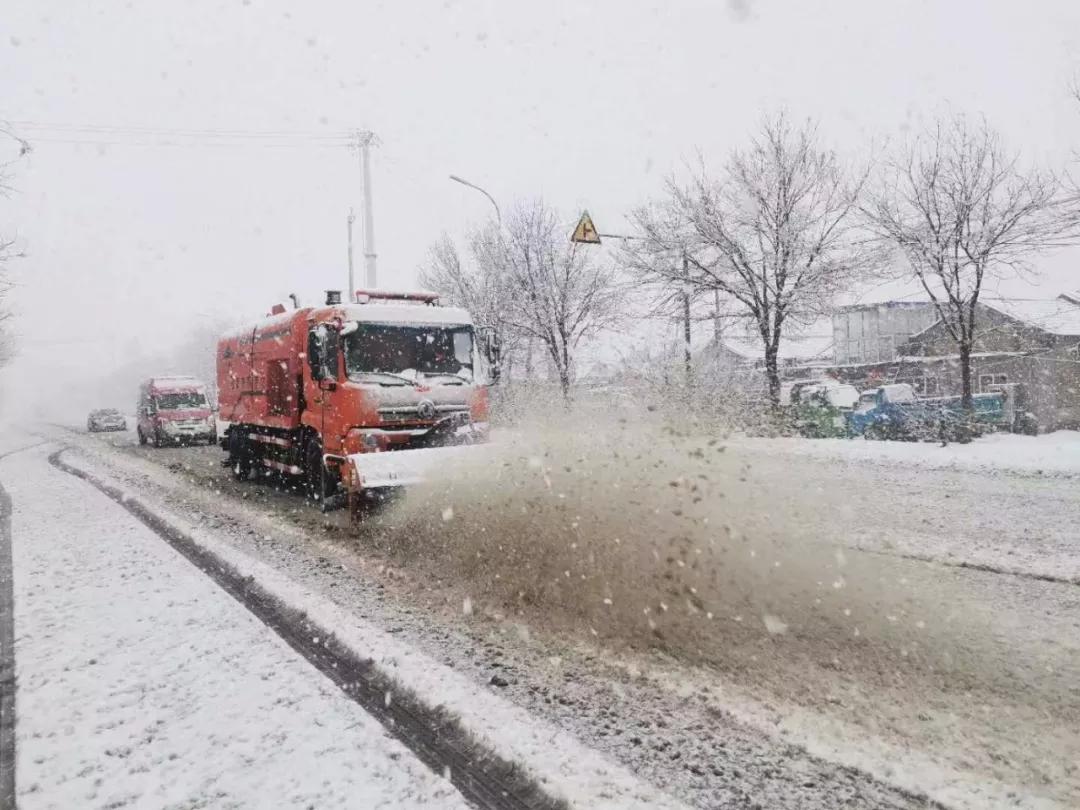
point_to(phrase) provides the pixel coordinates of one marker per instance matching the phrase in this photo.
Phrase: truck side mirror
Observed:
(492, 352)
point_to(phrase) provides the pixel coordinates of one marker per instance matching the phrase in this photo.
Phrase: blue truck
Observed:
(897, 412)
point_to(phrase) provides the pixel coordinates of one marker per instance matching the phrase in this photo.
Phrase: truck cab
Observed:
(819, 407)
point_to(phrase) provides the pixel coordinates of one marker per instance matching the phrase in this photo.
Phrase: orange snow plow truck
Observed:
(354, 398)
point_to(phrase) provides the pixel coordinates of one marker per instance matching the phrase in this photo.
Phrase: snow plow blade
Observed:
(402, 468)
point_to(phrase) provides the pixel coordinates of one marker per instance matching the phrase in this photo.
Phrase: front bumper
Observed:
(179, 433)
(102, 426)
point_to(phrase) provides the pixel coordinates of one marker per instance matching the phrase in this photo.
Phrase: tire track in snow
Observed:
(484, 778)
(985, 568)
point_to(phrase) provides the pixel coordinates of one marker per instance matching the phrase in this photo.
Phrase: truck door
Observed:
(323, 363)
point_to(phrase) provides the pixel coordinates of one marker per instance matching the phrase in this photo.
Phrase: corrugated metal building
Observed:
(872, 333)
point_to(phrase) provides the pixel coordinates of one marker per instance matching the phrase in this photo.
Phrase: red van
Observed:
(174, 410)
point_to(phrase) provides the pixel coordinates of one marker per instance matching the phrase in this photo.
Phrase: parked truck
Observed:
(897, 412)
(350, 397)
(818, 408)
(174, 410)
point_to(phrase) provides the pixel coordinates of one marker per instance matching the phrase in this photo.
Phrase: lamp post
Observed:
(464, 182)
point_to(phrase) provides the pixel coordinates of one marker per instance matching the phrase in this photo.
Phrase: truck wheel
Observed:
(142, 436)
(318, 477)
(239, 457)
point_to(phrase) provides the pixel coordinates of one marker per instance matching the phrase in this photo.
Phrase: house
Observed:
(739, 362)
(1033, 343)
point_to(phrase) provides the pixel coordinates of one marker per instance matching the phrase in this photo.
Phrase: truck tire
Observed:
(239, 457)
(142, 436)
(317, 477)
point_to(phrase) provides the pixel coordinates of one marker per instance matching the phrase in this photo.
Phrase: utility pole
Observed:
(364, 141)
(687, 359)
(349, 220)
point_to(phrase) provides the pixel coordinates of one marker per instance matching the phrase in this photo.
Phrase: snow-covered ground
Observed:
(997, 735)
(1056, 454)
(967, 743)
(141, 684)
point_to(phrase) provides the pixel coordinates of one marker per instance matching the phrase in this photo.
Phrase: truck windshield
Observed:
(867, 401)
(177, 400)
(410, 351)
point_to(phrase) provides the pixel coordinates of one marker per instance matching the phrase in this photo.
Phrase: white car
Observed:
(105, 419)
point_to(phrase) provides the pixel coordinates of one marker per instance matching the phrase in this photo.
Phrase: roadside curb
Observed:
(7, 658)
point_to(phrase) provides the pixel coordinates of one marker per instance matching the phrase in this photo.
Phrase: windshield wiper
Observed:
(404, 380)
(432, 375)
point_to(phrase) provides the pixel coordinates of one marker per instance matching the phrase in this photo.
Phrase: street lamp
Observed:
(464, 182)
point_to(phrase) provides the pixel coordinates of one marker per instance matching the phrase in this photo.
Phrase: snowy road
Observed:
(141, 684)
(811, 720)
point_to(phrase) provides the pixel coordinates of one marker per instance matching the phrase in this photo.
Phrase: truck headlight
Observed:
(358, 441)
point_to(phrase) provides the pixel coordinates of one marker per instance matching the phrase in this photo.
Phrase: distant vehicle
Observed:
(819, 408)
(174, 410)
(897, 412)
(105, 419)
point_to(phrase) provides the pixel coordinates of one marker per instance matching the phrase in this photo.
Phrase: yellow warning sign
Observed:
(585, 231)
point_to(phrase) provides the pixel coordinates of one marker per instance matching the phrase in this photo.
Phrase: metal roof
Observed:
(1057, 316)
(796, 347)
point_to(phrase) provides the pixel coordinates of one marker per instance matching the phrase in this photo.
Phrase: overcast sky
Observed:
(133, 232)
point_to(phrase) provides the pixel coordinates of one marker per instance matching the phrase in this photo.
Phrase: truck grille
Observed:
(410, 413)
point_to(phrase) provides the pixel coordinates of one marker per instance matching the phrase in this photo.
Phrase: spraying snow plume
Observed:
(633, 532)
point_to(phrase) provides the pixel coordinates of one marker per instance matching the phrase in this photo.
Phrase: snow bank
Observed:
(1056, 454)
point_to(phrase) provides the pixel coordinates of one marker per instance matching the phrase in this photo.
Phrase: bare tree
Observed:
(528, 279)
(480, 288)
(558, 294)
(777, 234)
(961, 209)
(7, 244)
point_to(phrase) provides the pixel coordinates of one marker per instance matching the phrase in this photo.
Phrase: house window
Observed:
(925, 386)
(988, 380)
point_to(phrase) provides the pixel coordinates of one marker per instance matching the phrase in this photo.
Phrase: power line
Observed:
(192, 143)
(100, 135)
(189, 132)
